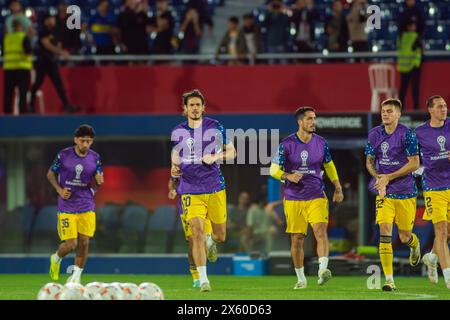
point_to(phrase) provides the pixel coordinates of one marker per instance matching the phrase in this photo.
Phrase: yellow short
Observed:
(72, 224)
(402, 212)
(188, 230)
(299, 213)
(437, 205)
(212, 206)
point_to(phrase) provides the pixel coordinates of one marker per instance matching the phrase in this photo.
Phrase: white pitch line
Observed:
(417, 295)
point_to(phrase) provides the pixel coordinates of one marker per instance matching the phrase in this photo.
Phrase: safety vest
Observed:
(408, 58)
(14, 57)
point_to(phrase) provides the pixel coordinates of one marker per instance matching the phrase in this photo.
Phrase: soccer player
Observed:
(392, 155)
(199, 144)
(76, 173)
(173, 183)
(434, 142)
(298, 164)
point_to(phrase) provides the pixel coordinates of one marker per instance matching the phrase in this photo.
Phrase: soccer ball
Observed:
(51, 291)
(74, 291)
(130, 291)
(109, 292)
(94, 289)
(150, 291)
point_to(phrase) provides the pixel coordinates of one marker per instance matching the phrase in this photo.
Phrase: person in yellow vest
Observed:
(409, 50)
(17, 64)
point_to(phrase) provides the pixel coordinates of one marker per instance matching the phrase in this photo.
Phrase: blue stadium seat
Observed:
(44, 233)
(109, 215)
(163, 218)
(134, 228)
(107, 235)
(15, 229)
(162, 230)
(46, 220)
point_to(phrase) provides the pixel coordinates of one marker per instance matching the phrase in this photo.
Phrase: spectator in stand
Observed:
(412, 13)
(304, 18)
(236, 221)
(233, 42)
(17, 14)
(162, 10)
(191, 29)
(252, 35)
(277, 26)
(163, 39)
(201, 6)
(47, 63)
(103, 29)
(70, 38)
(190, 32)
(356, 21)
(133, 24)
(336, 29)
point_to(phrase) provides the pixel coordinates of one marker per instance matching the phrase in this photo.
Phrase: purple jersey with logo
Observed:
(76, 173)
(434, 147)
(191, 144)
(391, 152)
(307, 158)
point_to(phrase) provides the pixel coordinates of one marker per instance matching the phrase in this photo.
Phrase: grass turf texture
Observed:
(176, 287)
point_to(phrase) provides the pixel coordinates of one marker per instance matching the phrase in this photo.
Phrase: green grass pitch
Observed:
(179, 287)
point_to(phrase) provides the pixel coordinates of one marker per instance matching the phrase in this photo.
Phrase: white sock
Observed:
(76, 272)
(56, 258)
(209, 241)
(433, 257)
(202, 273)
(389, 277)
(446, 273)
(323, 263)
(300, 274)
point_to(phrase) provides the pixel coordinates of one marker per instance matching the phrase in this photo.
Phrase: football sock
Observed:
(323, 263)
(300, 274)
(194, 273)
(77, 272)
(433, 257)
(209, 241)
(413, 241)
(386, 255)
(202, 273)
(446, 273)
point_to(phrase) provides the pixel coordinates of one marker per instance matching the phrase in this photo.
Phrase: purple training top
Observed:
(434, 145)
(391, 152)
(307, 158)
(76, 173)
(191, 144)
